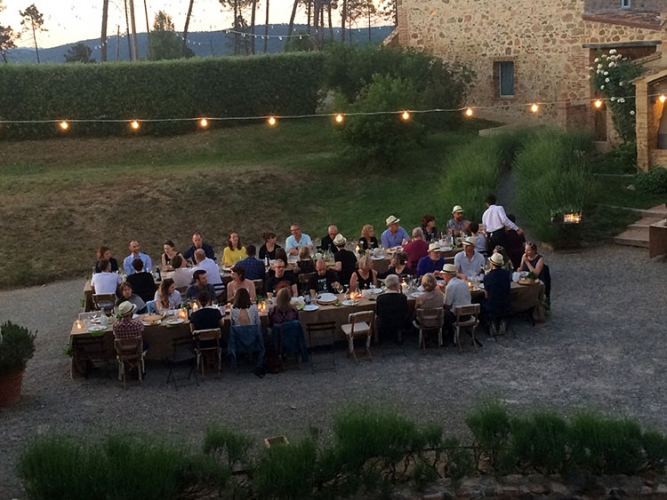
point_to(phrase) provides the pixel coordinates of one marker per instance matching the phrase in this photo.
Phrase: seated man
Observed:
(457, 294)
(212, 270)
(457, 225)
(469, 263)
(142, 281)
(136, 254)
(346, 261)
(280, 279)
(327, 244)
(197, 243)
(323, 281)
(201, 284)
(432, 263)
(254, 268)
(417, 248)
(182, 275)
(394, 235)
(206, 317)
(105, 281)
(126, 327)
(392, 310)
(497, 291)
(297, 240)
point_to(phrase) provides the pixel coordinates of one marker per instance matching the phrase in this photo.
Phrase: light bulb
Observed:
(534, 108)
(469, 112)
(272, 121)
(64, 125)
(135, 125)
(340, 118)
(663, 98)
(203, 123)
(598, 103)
(405, 115)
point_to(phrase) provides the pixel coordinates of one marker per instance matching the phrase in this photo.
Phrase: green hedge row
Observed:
(221, 87)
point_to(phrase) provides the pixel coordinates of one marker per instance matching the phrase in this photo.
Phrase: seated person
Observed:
(429, 229)
(457, 294)
(327, 244)
(254, 268)
(200, 284)
(283, 310)
(392, 310)
(432, 298)
(126, 295)
(399, 266)
(238, 282)
(234, 251)
(457, 225)
(281, 254)
(368, 241)
(103, 253)
(142, 281)
(481, 238)
(394, 235)
(365, 277)
(198, 243)
(432, 263)
(514, 243)
(206, 317)
(168, 255)
(167, 297)
(305, 263)
(126, 327)
(207, 264)
(297, 240)
(182, 275)
(346, 261)
(243, 311)
(280, 279)
(531, 261)
(323, 281)
(134, 255)
(497, 290)
(268, 249)
(105, 282)
(507, 263)
(417, 248)
(469, 263)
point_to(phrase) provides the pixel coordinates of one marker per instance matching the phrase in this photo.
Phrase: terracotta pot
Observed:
(10, 388)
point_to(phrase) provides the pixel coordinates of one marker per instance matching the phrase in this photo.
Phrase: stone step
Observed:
(645, 222)
(634, 237)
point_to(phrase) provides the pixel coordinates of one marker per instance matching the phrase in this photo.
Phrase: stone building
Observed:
(651, 105)
(534, 51)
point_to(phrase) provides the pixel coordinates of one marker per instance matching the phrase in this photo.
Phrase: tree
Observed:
(79, 53)
(239, 25)
(163, 41)
(7, 38)
(266, 28)
(103, 37)
(187, 25)
(33, 20)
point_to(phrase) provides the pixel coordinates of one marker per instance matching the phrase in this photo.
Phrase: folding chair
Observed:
(360, 325)
(430, 320)
(104, 302)
(246, 339)
(288, 339)
(89, 352)
(207, 342)
(183, 354)
(471, 312)
(321, 339)
(129, 353)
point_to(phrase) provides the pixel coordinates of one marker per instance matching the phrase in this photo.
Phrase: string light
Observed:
(339, 118)
(469, 112)
(598, 103)
(63, 125)
(663, 98)
(135, 125)
(203, 123)
(272, 121)
(405, 115)
(534, 108)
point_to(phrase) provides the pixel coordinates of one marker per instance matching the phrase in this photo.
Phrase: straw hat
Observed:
(126, 308)
(340, 240)
(457, 208)
(497, 259)
(470, 240)
(434, 247)
(392, 220)
(449, 268)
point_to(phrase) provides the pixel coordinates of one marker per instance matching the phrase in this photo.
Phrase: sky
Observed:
(69, 21)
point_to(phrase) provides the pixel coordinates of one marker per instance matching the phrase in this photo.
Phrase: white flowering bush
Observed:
(612, 75)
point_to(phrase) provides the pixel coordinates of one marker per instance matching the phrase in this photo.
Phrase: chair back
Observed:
(104, 300)
(320, 334)
(208, 334)
(431, 318)
(361, 317)
(290, 338)
(89, 347)
(466, 311)
(128, 349)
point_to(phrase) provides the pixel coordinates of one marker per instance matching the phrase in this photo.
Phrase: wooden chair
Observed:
(129, 353)
(321, 340)
(472, 313)
(183, 354)
(293, 332)
(213, 336)
(430, 320)
(104, 301)
(360, 325)
(89, 352)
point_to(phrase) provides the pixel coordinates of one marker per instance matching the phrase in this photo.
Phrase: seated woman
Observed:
(167, 297)
(182, 275)
(368, 241)
(234, 251)
(243, 311)
(432, 298)
(507, 262)
(126, 295)
(399, 266)
(428, 226)
(239, 282)
(168, 255)
(283, 310)
(103, 253)
(268, 249)
(532, 261)
(305, 263)
(365, 276)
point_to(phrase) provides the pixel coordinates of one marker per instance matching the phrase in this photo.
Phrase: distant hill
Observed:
(202, 43)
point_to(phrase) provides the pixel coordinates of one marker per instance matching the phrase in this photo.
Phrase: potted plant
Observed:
(17, 346)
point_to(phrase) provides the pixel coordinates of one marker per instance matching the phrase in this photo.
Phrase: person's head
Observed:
(126, 289)
(392, 224)
(269, 237)
(304, 253)
(295, 229)
(168, 247)
(321, 267)
(332, 231)
(496, 260)
(197, 240)
(367, 231)
(474, 227)
(177, 262)
(392, 282)
(449, 272)
(428, 221)
(200, 255)
(104, 266)
(134, 247)
(399, 259)
(242, 299)
(204, 298)
(200, 278)
(279, 267)
(138, 265)
(283, 299)
(167, 287)
(469, 245)
(457, 213)
(418, 233)
(531, 249)
(238, 274)
(501, 250)
(340, 241)
(233, 241)
(434, 252)
(428, 282)
(126, 309)
(251, 250)
(365, 263)
(490, 200)
(281, 254)
(103, 253)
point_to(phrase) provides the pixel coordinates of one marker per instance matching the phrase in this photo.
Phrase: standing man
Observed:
(457, 225)
(212, 270)
(197, 243)
(394, 235)
(327, 244)
(136, 254)
(495, 219)
(297, 240)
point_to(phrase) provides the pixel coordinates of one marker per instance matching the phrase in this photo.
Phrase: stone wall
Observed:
(595, 5)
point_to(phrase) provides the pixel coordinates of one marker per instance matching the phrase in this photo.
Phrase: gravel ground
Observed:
(603, 348)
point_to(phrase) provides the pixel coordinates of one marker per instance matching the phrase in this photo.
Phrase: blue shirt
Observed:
(254, 268)
(189, 254)
(292, 243)
(127, 263)
(394, 240)
(426, 265)
(498, 287)
(472, 267)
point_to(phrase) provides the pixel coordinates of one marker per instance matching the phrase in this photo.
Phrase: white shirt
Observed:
(212, 271)
(457, 293)
(175, 299)
(183, 277)
(105, 282)
(291, 242)
(469, 267)
(495, 218)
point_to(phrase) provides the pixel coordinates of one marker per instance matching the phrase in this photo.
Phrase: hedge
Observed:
(281, 84)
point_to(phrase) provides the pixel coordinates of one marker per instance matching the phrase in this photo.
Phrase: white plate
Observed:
(311, 307)
(350, 302)
(416, 294)
(377, 258)
(174, 321)
(97, 328)
(375, 291)
(326, 298)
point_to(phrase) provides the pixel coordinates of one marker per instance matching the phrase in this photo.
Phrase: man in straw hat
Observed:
(394, 235)
(469, 263)
(457, 294)
(126, 327)
(457, 224)
(497, 291)
(432, 263)
(346, 261)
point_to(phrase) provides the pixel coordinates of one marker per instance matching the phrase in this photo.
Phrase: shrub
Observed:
(655, 448)
(652, 182)
(490, 426)
(541, 441)
(287, 471)
(17, 346)
(227, 446)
